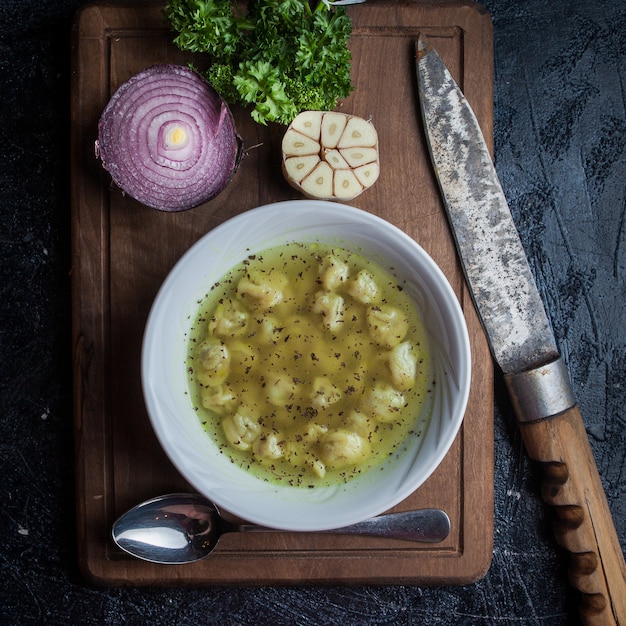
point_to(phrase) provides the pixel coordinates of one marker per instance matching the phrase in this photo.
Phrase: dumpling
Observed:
(214, 362)
(316, 466)
(281, 389)
(364, 288)
(331, 307)
(262, 290)
(324, 393)
(333, 272)
(312, 433)
(268, 446)
(219, 399)
(229, 320)
(340, 448)
(387, 325)
(383, 402)
(241, 430)
(243, 357)
(402, 363)
(361, 424)
(265, 329)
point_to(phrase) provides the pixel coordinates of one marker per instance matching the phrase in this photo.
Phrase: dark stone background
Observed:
(560, 136)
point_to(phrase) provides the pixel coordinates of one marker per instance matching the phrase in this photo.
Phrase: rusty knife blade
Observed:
(494, 262)
(493, 259)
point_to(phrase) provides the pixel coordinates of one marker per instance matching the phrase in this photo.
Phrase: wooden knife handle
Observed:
(583, 522)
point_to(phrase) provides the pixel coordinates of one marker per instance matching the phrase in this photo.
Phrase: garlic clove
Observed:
(358, 132)
(297, 144)
(333, 125)
(367, 174)
(296, 168)
(319, 183)
(346, 185)
(309, 123)
(357, 156)
(335, 160)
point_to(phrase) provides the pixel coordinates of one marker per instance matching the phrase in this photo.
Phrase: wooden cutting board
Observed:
(122, 251)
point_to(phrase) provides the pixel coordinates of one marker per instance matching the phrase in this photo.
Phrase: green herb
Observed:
(281, 56)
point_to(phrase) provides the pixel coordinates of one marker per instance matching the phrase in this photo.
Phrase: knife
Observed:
(522, 341)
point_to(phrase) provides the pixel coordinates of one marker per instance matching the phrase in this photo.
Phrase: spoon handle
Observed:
(423, 525)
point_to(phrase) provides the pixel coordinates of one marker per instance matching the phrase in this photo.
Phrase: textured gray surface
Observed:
(560, 136)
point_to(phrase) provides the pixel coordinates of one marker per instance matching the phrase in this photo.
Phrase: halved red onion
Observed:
(168, 139)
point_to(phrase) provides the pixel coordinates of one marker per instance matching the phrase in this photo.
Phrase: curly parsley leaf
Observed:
(281, 57)
(205, 26)
(259, 83)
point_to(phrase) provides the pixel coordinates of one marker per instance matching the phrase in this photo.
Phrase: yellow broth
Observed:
(308, 365)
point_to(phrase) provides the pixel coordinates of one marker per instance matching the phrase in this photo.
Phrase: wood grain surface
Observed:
(122, 251)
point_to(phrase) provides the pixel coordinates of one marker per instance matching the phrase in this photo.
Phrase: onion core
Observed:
(168, 139)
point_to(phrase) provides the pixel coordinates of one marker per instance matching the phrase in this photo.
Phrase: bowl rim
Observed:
(351, 215)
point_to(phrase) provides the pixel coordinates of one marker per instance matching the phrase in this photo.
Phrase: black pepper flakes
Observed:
(309, 412)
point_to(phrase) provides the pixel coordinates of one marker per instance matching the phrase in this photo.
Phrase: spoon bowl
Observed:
(182, 528)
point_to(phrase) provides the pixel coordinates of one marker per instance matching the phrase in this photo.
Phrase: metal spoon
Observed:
(182, 528)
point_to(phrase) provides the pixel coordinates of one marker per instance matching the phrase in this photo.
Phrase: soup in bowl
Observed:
(306, 365)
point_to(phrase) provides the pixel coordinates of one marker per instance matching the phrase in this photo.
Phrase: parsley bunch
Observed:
(280, 56)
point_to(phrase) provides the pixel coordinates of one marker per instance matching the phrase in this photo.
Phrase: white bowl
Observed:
(165, 383)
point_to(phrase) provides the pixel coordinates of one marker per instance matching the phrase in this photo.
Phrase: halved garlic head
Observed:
(329, 155)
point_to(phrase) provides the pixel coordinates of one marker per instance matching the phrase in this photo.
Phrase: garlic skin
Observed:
(327, 155)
